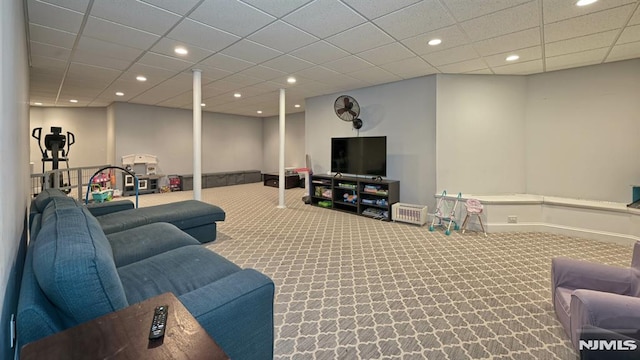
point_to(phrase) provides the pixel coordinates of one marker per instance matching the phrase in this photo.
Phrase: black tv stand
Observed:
(337, 175)
(371, 197)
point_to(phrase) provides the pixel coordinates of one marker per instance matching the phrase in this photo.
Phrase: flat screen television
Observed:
(359, 155)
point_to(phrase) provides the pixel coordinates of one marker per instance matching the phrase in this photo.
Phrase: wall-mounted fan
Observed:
(347, 109)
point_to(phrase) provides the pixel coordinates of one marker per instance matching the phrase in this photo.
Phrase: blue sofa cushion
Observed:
(183, 214)
(42, 200)
(178, 271)
(145, 241)
(73, 264)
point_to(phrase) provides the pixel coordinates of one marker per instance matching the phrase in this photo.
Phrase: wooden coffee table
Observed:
(124, 334)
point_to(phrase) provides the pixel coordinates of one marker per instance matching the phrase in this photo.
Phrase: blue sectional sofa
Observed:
(74, 272)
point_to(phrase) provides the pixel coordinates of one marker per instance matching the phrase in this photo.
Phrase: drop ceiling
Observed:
(88, 50)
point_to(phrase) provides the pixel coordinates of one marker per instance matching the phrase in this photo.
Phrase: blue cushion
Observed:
(183, 214)
(145, 241)
(178, 271)
(42, 200)
(73, 264)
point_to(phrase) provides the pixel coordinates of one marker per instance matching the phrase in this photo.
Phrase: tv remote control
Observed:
(159, 322)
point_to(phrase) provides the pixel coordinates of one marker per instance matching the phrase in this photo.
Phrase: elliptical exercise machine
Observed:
(55, 142)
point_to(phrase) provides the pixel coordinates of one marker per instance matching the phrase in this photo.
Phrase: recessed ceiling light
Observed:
(73, 101)
(119, 93)
(296, 105)
(203, 104)
(434, 42)
(181, 51)
(141, 78)
(37, 103)
(512, 58)
(237, 95)
(259, 111)
(291, 80)
(585, 2)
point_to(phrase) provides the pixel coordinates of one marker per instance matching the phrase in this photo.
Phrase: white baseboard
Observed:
(610, 237)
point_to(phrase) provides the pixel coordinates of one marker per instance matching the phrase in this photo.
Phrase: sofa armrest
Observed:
(237, 311)
(619, 313)
(108, 207)
(577, 274)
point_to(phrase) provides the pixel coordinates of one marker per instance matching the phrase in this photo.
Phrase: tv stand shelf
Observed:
(359, 195)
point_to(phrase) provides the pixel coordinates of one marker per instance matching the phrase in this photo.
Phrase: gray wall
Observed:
(481, 134)
(229, 142)
(14, 172)
(294, 155)
(583, 132)
(405, 112)
(89, 125)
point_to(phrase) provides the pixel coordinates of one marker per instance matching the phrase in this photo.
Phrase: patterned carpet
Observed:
(350, 287)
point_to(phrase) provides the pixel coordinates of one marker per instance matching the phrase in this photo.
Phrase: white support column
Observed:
(197, 134)
(281, 180)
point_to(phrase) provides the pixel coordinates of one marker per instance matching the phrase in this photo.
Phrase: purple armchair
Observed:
(589, 294)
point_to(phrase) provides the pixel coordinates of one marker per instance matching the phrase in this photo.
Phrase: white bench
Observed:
(592, 219)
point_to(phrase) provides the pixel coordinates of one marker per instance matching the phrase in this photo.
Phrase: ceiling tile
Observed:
(521, 68)
(243, 80)
(317, 73)
(51, 36)
(463, 67)
(409, 68)
(464, 10)
(54, 17)
(227, 63)
(588, 24)
(375, 75)
(425, 16)
(526, 55)
(503, 22)
(154, 75)
(360, 38)
(451, 37)
(136, 14)
(92, 73)
(89, 57)
(584, 58)
(109, 31)
(624, 51)
(75, 5)
(282, 36)
(166, 90)
(167, 46)
(374, 9)
(287, 64)
(319, 52)
(231, 16)
(40, 49)
(201, 35)
(44, 62)
(251, 51)
(277, 8)
(107, 49)
(315, 16)
(348, 64)
(579, 44)
(630, 34)
(517, 40)
(164, 62)
(179, 7)
(480, 72)
(386, 54)
(635, 19)
(555, 11)
(450, 56)
(209, 73)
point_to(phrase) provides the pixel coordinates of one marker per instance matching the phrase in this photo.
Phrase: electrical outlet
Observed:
(512, 219)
